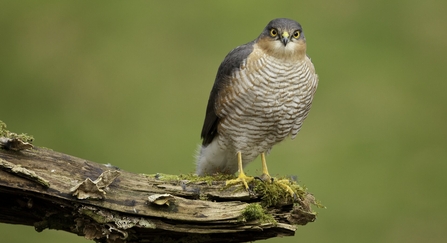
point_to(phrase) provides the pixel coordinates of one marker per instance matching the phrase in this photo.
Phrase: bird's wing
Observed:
(232, 61)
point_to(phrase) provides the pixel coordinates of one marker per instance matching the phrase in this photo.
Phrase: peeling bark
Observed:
(42, 188)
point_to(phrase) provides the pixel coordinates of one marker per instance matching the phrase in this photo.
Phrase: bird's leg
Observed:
(266, 177)
(241, 177)
(265, 172)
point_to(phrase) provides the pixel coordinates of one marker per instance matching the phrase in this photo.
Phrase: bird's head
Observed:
(283, 38)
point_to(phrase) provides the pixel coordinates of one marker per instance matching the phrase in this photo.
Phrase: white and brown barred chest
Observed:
(265, 101)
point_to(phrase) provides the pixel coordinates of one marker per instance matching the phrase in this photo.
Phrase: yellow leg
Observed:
(266, 177)
(265, 172)
(242, 177)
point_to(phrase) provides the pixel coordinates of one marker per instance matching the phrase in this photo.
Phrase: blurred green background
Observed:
(127, 82)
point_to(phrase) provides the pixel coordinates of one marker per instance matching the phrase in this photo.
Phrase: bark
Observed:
(50, 190)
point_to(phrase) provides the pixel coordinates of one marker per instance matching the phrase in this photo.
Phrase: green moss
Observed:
(255, 211)
(203, 197)
(208, 179)
(22, 137)
(191, 178)
(275, 193)
(3, 130)
(163, 177)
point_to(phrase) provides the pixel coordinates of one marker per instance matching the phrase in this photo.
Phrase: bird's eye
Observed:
(273, 32)
(296, 34)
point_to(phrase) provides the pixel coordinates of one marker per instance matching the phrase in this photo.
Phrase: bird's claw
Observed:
(284, 184)
(241, 178)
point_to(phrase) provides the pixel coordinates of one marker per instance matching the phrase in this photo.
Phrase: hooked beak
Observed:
(285, 38)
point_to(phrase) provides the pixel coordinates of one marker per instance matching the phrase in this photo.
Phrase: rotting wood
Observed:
(186, 210)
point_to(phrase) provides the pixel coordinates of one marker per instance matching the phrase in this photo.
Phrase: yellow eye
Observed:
(296, 34)
(273, 32)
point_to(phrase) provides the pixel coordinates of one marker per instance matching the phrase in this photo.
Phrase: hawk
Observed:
(262, 94)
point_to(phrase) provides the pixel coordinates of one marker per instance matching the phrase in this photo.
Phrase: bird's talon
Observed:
(242, 178)
(285, 186)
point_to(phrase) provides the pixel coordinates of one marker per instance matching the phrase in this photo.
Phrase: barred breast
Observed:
(265, 101)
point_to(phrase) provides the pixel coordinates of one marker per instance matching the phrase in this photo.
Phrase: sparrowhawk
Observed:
(262, 93)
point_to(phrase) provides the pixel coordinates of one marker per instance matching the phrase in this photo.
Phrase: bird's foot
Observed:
(242, 178)
(283, 183)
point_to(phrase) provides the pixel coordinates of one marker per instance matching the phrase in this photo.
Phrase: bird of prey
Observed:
(262, 93)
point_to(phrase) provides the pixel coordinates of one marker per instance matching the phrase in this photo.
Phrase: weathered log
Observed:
(46, 189)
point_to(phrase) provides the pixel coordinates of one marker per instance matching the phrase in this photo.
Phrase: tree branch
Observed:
(46, 189)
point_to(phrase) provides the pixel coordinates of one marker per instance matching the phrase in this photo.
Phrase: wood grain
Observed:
(200, 211)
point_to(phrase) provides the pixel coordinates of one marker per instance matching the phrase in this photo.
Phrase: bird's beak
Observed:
(285, 38)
